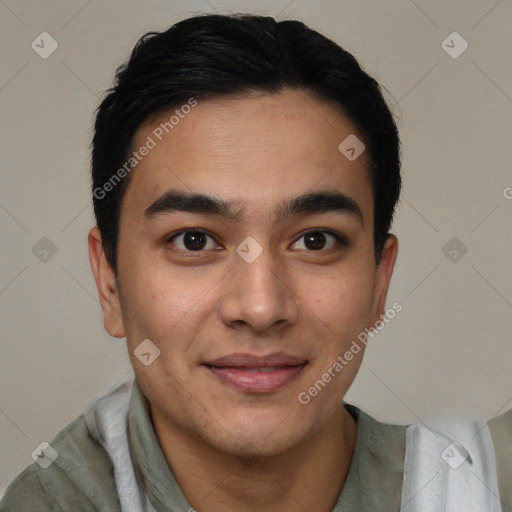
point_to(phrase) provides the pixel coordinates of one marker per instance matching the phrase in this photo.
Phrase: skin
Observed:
(231, 450)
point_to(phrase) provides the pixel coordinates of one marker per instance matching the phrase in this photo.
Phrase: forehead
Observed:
(251, 150)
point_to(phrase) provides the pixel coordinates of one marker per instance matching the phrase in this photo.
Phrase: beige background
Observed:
(448, 351)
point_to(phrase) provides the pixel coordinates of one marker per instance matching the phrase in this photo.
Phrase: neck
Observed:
(308, 477)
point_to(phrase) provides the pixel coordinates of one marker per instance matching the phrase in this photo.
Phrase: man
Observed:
(245, 174)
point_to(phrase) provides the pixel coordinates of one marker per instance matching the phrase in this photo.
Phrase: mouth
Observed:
(256, 374)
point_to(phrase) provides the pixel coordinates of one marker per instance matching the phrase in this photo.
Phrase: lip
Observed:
(240, 359)
(244, 371)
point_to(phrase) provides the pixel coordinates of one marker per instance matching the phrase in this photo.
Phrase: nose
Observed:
(259, 294)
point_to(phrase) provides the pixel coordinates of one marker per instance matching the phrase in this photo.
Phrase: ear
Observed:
(107, 287)
(383, 277)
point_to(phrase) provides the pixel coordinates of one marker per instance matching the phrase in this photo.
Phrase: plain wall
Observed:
(447, 352)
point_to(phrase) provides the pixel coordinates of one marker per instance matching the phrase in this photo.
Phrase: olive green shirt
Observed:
(81, 479)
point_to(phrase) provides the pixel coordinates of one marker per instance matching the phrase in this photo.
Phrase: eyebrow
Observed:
(312, 203)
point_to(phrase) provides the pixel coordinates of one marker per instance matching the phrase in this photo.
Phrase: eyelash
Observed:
(340, 239)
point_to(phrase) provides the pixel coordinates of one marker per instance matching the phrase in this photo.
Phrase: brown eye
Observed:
(192, 240)
(317, 240)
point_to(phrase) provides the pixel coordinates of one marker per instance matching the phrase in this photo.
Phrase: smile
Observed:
(263, 379)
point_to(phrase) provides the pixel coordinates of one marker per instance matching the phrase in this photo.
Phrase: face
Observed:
(224, 291)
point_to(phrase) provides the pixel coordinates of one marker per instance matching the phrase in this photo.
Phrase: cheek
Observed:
(160, 307)
(167, 308)
(150, 292)
(343, 300)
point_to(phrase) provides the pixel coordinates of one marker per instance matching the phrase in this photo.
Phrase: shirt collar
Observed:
(373, 483)
(150, 463)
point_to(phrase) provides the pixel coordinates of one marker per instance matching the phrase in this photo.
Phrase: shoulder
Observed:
(450, 461)
(500, 429)
(383, 443)
(79, 479)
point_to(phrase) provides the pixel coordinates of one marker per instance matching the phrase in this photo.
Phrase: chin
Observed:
(255, 440)
(252, 447)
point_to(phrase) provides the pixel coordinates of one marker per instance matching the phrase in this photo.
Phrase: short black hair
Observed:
(211, 55)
